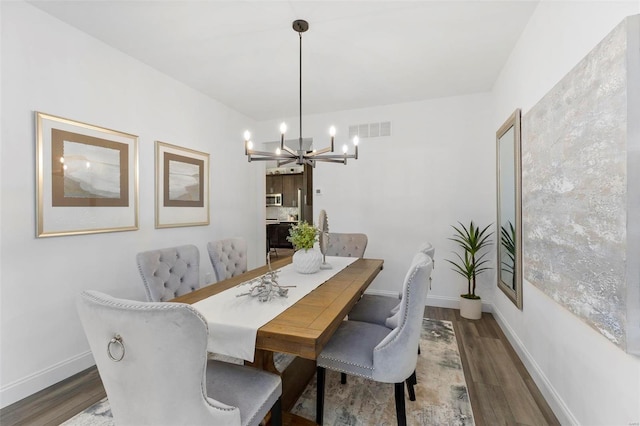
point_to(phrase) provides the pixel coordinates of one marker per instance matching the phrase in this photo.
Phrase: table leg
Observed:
(264, 361)
(294, 378)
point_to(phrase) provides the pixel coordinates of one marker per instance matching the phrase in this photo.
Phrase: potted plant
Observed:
(472, 240)
(306, 259)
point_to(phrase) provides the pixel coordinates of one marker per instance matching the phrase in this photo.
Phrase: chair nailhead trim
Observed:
(349, 363)
(406, 303)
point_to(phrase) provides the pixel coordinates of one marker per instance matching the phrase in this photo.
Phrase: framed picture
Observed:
(87, 178)
(182, 186)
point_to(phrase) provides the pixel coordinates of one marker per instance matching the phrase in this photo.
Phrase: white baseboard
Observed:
(453, 303)
(559, 408)
(42, 379)
(437, 301)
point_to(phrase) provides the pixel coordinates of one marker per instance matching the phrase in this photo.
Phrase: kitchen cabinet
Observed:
(287, 185)
(277, 235)
(274, 184)
(290, 186)
(283, 233)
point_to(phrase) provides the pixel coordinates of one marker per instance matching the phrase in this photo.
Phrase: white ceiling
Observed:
(355, 54)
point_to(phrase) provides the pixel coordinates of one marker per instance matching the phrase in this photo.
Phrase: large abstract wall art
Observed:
(581, 189)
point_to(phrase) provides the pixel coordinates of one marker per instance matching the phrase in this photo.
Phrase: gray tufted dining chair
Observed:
(152, 359)
(380, 309)
(170, 272)
(346, 245)
(384, 310)
(376, 352)
(228, 257)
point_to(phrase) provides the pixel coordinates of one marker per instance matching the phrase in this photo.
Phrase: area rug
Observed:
(441, 393)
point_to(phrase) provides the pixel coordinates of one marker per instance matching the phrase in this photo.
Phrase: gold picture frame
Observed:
(87, 178)
(182, 186)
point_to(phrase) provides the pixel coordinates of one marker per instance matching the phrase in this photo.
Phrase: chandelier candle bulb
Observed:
(247, 136)
(283, 130)
(332, 133)
(355, 143)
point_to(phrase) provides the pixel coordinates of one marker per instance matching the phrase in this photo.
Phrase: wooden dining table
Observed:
(305, 327)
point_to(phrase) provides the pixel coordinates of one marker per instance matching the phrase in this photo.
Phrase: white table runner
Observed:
(234, 321)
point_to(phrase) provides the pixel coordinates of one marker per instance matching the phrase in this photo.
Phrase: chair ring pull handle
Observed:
(115, 340)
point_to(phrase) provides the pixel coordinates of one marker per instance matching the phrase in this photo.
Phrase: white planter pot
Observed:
(470, 308)
(307, 261)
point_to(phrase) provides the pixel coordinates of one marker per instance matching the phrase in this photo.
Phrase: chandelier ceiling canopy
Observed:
(285, 155)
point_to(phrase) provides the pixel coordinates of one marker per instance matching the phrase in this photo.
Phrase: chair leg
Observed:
(320, 374)
(276, 413)
(414, 378)
(410, 382)
(343, 378)
(400, 409)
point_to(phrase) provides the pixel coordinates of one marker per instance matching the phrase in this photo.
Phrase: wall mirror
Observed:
(509, 219)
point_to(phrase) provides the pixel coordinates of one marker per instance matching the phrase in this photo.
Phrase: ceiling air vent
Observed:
(370, 130)
(374, 130)
(385, 128)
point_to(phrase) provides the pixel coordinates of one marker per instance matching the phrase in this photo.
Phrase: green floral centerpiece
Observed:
(303, 236)
(306, 259)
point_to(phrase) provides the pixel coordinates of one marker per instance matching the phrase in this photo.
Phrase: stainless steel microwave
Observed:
(274, 200)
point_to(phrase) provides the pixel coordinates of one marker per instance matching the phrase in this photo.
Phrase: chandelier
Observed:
(285, 155)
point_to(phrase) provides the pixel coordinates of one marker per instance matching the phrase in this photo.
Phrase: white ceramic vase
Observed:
(307, 261)
(470, 308)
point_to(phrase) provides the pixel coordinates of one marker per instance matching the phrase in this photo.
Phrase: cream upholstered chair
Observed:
(170, 272)
(152, 359)
(228, 257)
(346, 245)
(376, 352)
(383, 310)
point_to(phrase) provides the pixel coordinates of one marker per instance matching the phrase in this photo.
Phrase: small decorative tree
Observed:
(472, 240)
(303, 236)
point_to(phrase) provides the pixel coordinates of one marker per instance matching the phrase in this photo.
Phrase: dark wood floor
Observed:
(501, 390)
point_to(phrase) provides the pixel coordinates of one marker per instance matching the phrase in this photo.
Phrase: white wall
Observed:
(50, 67)
(436, 168)
(586, 379)
(403, 190)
